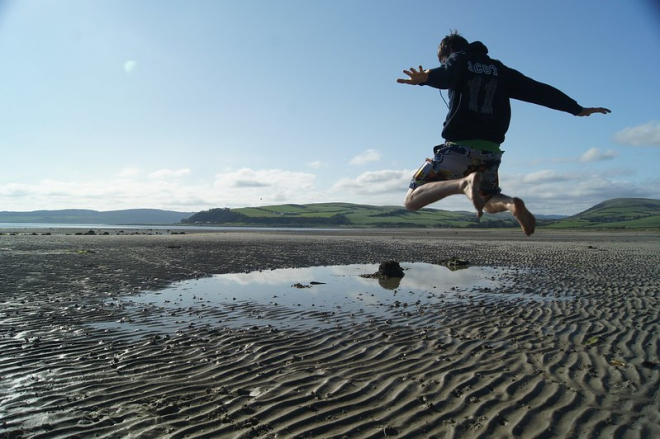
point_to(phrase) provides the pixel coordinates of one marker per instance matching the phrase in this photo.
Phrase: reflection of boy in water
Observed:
(480, 89)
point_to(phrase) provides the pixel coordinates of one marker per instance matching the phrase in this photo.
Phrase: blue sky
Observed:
(191, 105)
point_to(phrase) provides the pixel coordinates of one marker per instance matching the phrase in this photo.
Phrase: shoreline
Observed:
(583, 363)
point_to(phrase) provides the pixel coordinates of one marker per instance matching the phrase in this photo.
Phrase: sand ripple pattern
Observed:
(580, 359)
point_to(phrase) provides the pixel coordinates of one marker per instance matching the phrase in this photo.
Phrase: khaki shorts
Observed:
(452, 162)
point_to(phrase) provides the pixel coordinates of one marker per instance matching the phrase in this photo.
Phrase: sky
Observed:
(192, 105)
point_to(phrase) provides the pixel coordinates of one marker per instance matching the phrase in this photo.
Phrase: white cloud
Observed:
(112, 194)
(315, 165)
(386, 187)
(14, 191)
(244, 187)
(128, 173)
(370, 155)
(164, 174)
(641, 135)
(265, 178)
(547, 192)
(596, 155)
(590, 156)
(250, 187)
(543, 176)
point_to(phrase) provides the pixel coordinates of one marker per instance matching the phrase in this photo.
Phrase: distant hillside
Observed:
(344, 215)
(81, 216)
(618, 213)
(623, 213)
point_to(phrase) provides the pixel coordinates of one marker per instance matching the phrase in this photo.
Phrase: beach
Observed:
(568, 348)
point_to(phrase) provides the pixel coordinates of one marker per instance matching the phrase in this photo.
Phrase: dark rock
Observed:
(390, 269)
(455, 263)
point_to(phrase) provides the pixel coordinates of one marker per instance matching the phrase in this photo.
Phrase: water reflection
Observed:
(389, 283)
(326, 286)
(287, 296)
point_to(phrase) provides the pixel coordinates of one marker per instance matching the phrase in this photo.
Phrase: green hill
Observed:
(618, 213)
(622, 213)
(343, 215)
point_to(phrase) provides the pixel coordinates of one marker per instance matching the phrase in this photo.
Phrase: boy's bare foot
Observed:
(524, 216)
(472, 191)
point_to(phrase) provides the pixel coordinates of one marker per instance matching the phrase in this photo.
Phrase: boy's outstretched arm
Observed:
(591, 110)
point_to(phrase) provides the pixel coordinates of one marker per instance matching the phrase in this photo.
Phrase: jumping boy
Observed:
(480, 89)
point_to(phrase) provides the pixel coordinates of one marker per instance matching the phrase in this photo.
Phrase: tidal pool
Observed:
(303, 297)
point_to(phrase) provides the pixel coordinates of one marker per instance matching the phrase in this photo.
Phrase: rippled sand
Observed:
(569, 348)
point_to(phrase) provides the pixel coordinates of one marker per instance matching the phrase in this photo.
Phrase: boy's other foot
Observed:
(524, 216)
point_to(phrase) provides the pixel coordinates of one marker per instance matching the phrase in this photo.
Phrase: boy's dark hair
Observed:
(453, 42)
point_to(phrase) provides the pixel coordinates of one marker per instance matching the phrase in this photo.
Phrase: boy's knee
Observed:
(410, 204)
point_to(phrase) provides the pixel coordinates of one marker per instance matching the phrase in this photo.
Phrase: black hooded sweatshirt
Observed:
(479, 92)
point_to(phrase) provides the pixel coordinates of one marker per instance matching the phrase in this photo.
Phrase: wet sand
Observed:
(571, 348)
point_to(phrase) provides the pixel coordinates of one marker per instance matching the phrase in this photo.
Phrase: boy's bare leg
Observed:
(437, 190)
(501, 203)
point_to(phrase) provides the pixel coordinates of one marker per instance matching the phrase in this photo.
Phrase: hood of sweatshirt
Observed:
(477, 48)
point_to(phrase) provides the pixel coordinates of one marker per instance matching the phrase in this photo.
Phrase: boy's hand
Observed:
(416, 76)
(592, 110)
